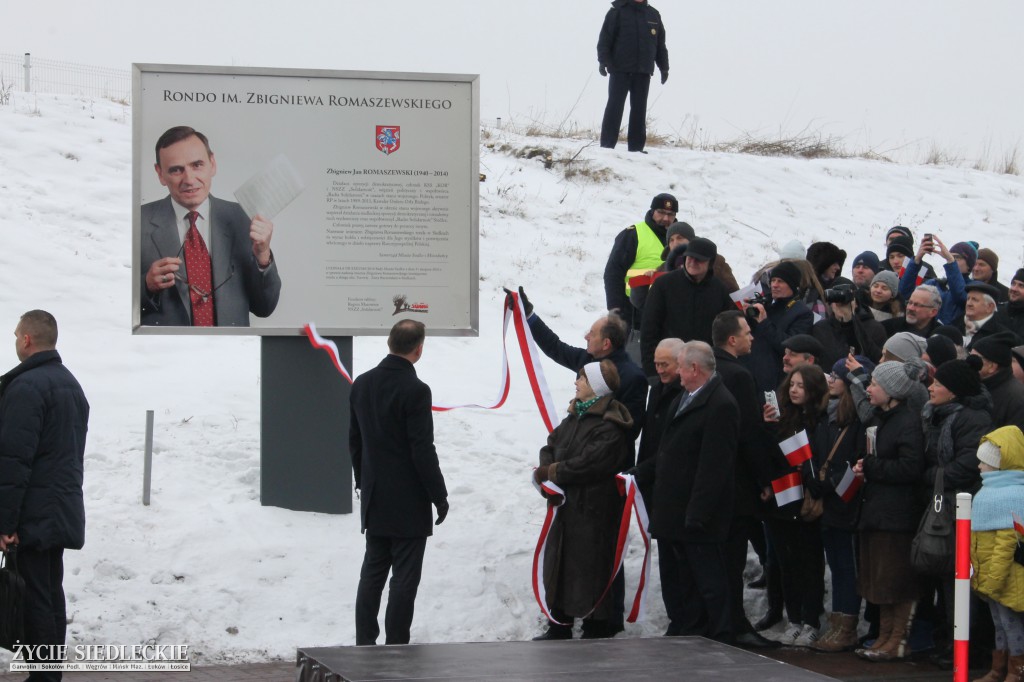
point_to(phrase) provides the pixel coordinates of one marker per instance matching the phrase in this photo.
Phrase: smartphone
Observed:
(770, 399)
(929, 242)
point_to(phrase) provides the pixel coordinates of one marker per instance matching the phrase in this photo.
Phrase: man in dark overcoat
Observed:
(391, 440)
(693, 484)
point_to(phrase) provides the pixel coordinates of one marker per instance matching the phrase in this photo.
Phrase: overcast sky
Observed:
(881, 74)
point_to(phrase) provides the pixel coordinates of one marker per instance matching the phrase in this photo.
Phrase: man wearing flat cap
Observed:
(996, 352)
(801, 349)
(637, 249)
(979, 313)
(684, 303)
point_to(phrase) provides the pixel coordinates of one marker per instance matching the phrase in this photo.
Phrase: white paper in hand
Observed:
(270, 190)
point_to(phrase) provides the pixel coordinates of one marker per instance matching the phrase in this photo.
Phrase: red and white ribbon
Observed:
(531, 359)
(634, 502)
(538, 555)
(321, 343)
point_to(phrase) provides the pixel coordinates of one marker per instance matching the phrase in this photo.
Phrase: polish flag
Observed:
(796, 448)
(920, 279)
(849, 486)
(749, 291)
(1018, 525)
(789, 488)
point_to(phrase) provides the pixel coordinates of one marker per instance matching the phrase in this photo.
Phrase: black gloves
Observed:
(603, 70)
(664, 77)
(527, 306)
(442, 512)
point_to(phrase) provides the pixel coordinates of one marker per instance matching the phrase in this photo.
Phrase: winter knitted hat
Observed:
(894, 379)
(996, 348)
(905, 345)
(889, 279)
(1019, 275)
(990, 454)
(940, 349)
(788, 273)
(900, 244)
(792, 249)
(967, 250)
(901, 231)
(680, 228)
(839, 368)
(990, 257)
(961, 376)
(951, 333)
(869, 259)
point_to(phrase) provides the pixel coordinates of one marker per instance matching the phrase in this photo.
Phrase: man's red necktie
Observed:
(200, 280)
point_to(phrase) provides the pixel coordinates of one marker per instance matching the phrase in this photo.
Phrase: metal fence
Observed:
(30, 74)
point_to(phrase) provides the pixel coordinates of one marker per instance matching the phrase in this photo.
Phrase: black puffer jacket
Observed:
(44, 417)
(968, 420)
(632, 39)
(892, 475)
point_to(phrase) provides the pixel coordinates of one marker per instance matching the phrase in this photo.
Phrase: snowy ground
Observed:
(206, 564)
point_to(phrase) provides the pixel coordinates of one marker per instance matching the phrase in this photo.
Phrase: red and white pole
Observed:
(962, 588)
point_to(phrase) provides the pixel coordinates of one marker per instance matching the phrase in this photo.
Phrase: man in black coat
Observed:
(44, 417)
(733, 339)
(684, 302)
(659, 410)
(631, 42)
(391, 440)
(693, 476)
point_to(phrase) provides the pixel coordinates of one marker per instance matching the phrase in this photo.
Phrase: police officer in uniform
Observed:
(637, 249)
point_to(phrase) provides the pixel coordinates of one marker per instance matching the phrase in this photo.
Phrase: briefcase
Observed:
(12, 600)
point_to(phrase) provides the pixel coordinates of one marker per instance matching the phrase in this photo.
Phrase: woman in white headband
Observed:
(582, 456)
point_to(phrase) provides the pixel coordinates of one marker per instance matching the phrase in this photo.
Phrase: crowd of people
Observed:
(810, 414)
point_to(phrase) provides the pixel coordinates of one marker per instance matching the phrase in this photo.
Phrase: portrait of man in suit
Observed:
(205, 263)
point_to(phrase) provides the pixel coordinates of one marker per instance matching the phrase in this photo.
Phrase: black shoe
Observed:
(637, 151)
(597, 629)
(769, 619)
(554, 632)
(759, 583)
(673, 630)
(752, 640)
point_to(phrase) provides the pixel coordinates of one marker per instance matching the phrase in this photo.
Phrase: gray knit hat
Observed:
(905, 345)
(889, 279)
(895, 379)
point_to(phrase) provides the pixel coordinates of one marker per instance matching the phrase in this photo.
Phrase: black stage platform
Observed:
(623, 660)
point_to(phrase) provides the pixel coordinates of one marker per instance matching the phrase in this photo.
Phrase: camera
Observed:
(757, 298)
(844, 293)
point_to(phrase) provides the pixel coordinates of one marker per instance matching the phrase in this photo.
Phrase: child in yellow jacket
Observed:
(997, 578)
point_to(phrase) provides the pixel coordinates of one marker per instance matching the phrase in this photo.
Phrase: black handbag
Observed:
(12, 600)
(934, 547)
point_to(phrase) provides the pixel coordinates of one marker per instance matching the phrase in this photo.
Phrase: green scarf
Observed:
(583, 405)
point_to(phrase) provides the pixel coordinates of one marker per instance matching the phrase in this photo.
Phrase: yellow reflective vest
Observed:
(648, 252)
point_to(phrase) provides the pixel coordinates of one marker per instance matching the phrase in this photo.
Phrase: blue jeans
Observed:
(841, 557)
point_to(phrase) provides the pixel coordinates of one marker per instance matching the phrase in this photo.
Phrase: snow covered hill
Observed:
(206, 564)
